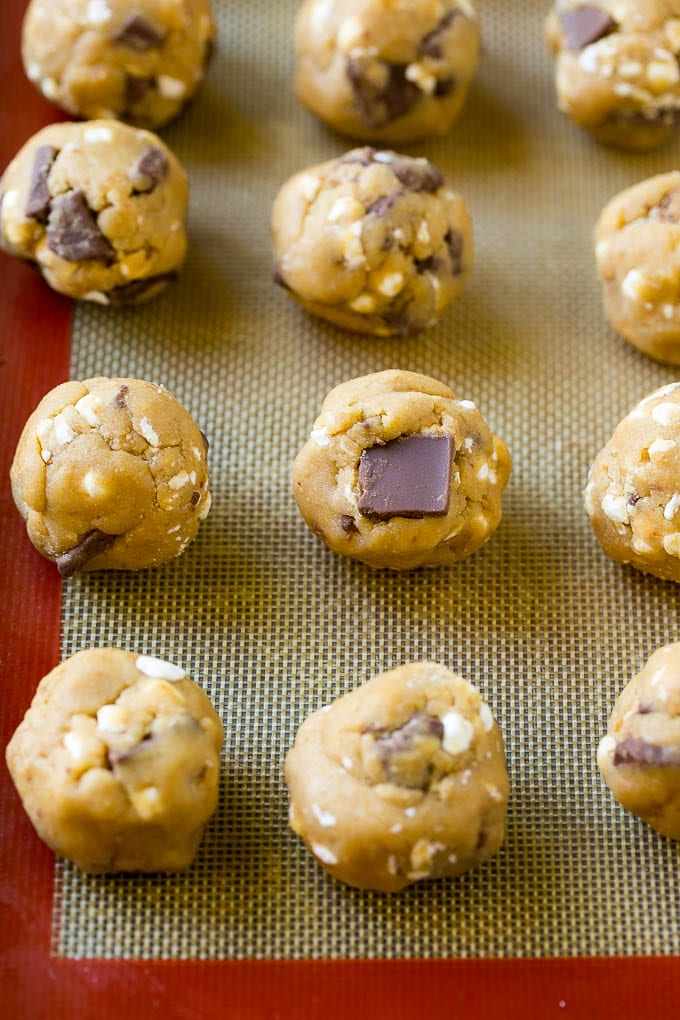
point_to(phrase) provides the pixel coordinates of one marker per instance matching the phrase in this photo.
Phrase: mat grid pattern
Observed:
(273, 625)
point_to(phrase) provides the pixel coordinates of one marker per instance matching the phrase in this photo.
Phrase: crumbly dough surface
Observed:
(637, 247)
(639, 758)
(633, 491)
(367, 417)
(402, 780)
(373, 241)
(111, 474)
(616, 68)
(135, 60)
(386, 70)
(117, 762)
(100, 208)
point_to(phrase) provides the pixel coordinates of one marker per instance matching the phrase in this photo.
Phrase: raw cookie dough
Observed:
(374, 242)
(400, 473)
(637, 246)
(135, 60)
(640, 757)
(117, 762)
(616, 68)
(100, 208)
(110, 474)
(386, 70)
(402, 780)
(633, 491)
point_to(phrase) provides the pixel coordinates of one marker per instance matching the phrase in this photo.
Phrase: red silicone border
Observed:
(35, 327)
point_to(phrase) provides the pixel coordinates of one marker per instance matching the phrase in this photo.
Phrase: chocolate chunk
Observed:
(95, 542)
(407, 477)
(634, 751)
(396, 749)
(383, 204)
(73, 232)
(195, 498)
(129, 293)
(378, 105)
(585, 25)
(431, 45)
(668, 208)
(121, 396)
(364, 156)
(645, 709)
(347, 523)
(444, 87)
(417, 174)
(429, 265)
(139, 34)
(136, 88)
(149, 170)
(39, 198)
(454, 242)
(633, 499)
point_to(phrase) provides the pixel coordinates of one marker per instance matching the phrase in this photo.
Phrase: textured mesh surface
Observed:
(273, 625)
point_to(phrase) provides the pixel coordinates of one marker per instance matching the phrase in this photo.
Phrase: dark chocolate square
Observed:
(407, 477)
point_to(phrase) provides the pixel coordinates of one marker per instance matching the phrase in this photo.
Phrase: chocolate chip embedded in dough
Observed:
(417, 174)
(39, 198)
(407, 477)
(403, 752)
(634, 751)
(136, 88)
(95, 542)
(379, 105)
(149, 169)
(195, 499)
(121, 396)
(431, 45)
(139, 34)
(348, 524)
(73, 232)
(383, 204)
(668, 208)
(444, 87)
(454, 243)
(585, 25)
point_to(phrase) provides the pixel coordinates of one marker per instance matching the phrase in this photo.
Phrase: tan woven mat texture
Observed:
(273, 625)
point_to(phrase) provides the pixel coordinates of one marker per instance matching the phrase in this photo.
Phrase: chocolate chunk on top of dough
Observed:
(634, 751)
(139, 34)
(95, 542)
(668, 208)
(407, 477)
(585, 25)
(149, 169)
(39, 198)
(454, 242)
(417, 174)
(378, 105)
(73, 232)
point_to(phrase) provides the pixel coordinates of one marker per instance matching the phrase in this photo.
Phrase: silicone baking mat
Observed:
(273, 625)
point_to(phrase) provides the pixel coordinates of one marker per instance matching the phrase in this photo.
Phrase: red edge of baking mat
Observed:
(34, 351)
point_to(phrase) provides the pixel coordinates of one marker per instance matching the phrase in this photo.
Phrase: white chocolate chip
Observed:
(320, 437)
(147, 802)
(345, 207)
(458, 733)
(672, 507)
(615, 508)
(76, 746)
(63, 433)
(323, 853)
(97, 12)
(349, 34)
(486, 717)
(158, 668)
(659, 447)
(666, 414)
(147, 431)
(605, 748)
(671, 544)
(324, 818)
(93, 484)
(421, 78)
(469, 405)
(391, 284)
(112, 718)
(87, 408)
(49, 88)
(364, 304)
(309, 186)
(347, 763)
(97, 134)
(170, 88)
(10, 199)
(178, 481)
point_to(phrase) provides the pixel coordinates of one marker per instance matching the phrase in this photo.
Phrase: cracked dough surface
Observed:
(633, 491)
(135, 60)
(373, 241)
(117, 762)
(639, 758)
(110, 474)
(371, 412)
(637, 247)
(403, 779)
(386, 70)
(99, 207)
(616, 68)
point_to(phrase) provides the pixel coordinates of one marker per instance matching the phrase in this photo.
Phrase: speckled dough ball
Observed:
(117, 762)
(135, 60)
(633, 491)
(400, 781)
(110, 474)
(616, 69)
(637, 246)
(100, 208)
(640, 757)
(400, 473)
(374, 242)
(386, 70)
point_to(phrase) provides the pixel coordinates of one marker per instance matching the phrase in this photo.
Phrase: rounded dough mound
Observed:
(117, 762)
(386, 71)
(110, 474)
(135, 60)
(633, 491)
(437, 497)
(402, 780)
(640, 757)
(100, 208)
(373, 242)
(637, 247)
(616, 68)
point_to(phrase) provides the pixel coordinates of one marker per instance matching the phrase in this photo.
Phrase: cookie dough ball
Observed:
(402, 780)
(134, 60)
(640, 757)
(373, 242)
(383, 71)
(400, 473)
(110, 474)
(616, 68)
(633, 491)
(637, 248)
(100, 208)
(117, 762)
